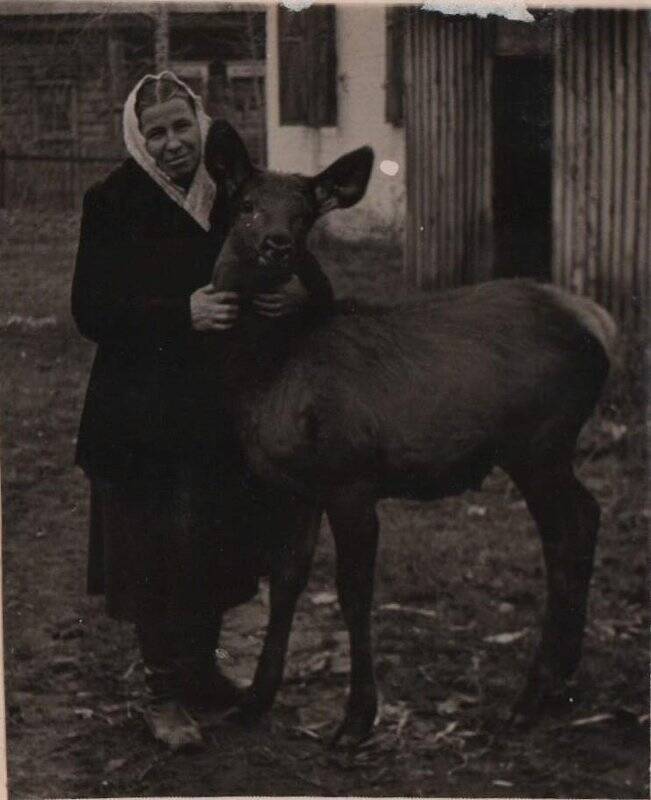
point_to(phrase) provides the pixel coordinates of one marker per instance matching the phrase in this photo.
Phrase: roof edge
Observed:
(22, 8)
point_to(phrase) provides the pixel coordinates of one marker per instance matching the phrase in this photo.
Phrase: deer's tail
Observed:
(592, 316)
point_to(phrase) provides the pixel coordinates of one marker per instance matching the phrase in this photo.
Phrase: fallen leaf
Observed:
(423, 612)
(476, 511)
(313, 719)
(455, 702)
(309, 732)
(317, 663)
(129, 671)
(323, 598)
(263, 595)
(84, 713)
(16, 320)
(617, 432)
(115, 764)
(469, 627)
(340, 664)
(506, 638)
(444, 733)
(448, 707)
(578, 723)
(111, 708)
(392, 710)
(467, 699)
(402, 722)
(63, 664)
(340, 637)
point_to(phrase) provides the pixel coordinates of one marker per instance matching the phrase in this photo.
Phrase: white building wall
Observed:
(361, 120)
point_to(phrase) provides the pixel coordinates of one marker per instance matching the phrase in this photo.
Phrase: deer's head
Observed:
(272, 213)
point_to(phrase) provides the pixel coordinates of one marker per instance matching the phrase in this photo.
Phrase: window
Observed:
(308, 66)
(395, 47)
(55, 110)
(196, 74)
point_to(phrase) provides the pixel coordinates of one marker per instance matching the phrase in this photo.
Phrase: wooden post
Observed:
(116, 65)
(162, 37)
(3, 185)
(258, 94)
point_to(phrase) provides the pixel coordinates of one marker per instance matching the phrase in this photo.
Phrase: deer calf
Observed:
(419, 401)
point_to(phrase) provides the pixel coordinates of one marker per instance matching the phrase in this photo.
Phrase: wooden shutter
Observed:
(292, 42)
(322, 66)
(394, 86)
(308, 66)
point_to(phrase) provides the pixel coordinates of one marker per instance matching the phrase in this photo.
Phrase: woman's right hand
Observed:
(211, 310)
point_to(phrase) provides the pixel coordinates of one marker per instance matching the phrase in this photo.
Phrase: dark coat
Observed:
(140, 258)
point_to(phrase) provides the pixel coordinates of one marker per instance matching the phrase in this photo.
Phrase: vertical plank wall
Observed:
(448, 127)
(601, 165)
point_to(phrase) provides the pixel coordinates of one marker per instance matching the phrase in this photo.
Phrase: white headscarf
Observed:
(199, 198)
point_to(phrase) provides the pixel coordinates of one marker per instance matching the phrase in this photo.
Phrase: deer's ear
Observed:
(344, 182)
(225, 154)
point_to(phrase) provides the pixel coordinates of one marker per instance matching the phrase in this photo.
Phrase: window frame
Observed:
(68, 134)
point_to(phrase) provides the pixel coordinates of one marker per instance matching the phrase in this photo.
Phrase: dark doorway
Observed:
(522, 138)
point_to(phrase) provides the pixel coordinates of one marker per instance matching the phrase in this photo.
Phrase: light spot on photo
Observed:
(390, 168)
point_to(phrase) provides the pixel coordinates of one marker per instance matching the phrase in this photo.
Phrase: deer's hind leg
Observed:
(567, 517)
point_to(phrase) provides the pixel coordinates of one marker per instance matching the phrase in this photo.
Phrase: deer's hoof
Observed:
(522, 721)
(542, 697)
(252, 708)
(352, 732)
(527, 709)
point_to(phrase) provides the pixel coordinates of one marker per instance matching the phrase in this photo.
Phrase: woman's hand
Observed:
(211, 310)
(278, 304)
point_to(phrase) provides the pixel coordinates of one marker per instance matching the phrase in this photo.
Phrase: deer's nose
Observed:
(278, 241)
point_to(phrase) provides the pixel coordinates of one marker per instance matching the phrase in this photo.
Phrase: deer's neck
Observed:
(255, 350)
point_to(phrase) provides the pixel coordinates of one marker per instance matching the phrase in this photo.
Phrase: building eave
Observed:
(22, 8)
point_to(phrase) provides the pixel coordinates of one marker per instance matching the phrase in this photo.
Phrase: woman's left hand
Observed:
(290, 298)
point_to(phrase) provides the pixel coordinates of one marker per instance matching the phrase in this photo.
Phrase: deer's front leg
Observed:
(290, 569)
(354, 524)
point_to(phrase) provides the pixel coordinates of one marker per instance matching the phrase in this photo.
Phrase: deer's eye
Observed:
(247, 206)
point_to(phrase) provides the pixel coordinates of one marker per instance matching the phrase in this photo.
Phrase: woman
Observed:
(168, 488)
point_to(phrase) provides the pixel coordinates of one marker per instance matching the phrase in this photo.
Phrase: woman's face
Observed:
(173, 138)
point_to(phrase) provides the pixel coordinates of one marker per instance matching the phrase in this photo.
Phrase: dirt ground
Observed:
(459, 598)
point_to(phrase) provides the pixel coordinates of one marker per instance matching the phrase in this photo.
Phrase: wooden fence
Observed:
(448, 128)
(600, 154)
(602, 173)
(49, 182)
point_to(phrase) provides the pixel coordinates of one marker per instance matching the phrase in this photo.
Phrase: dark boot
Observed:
(164, 715)
(202, 682)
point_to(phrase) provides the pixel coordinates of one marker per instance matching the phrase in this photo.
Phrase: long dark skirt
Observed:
(170, 541)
